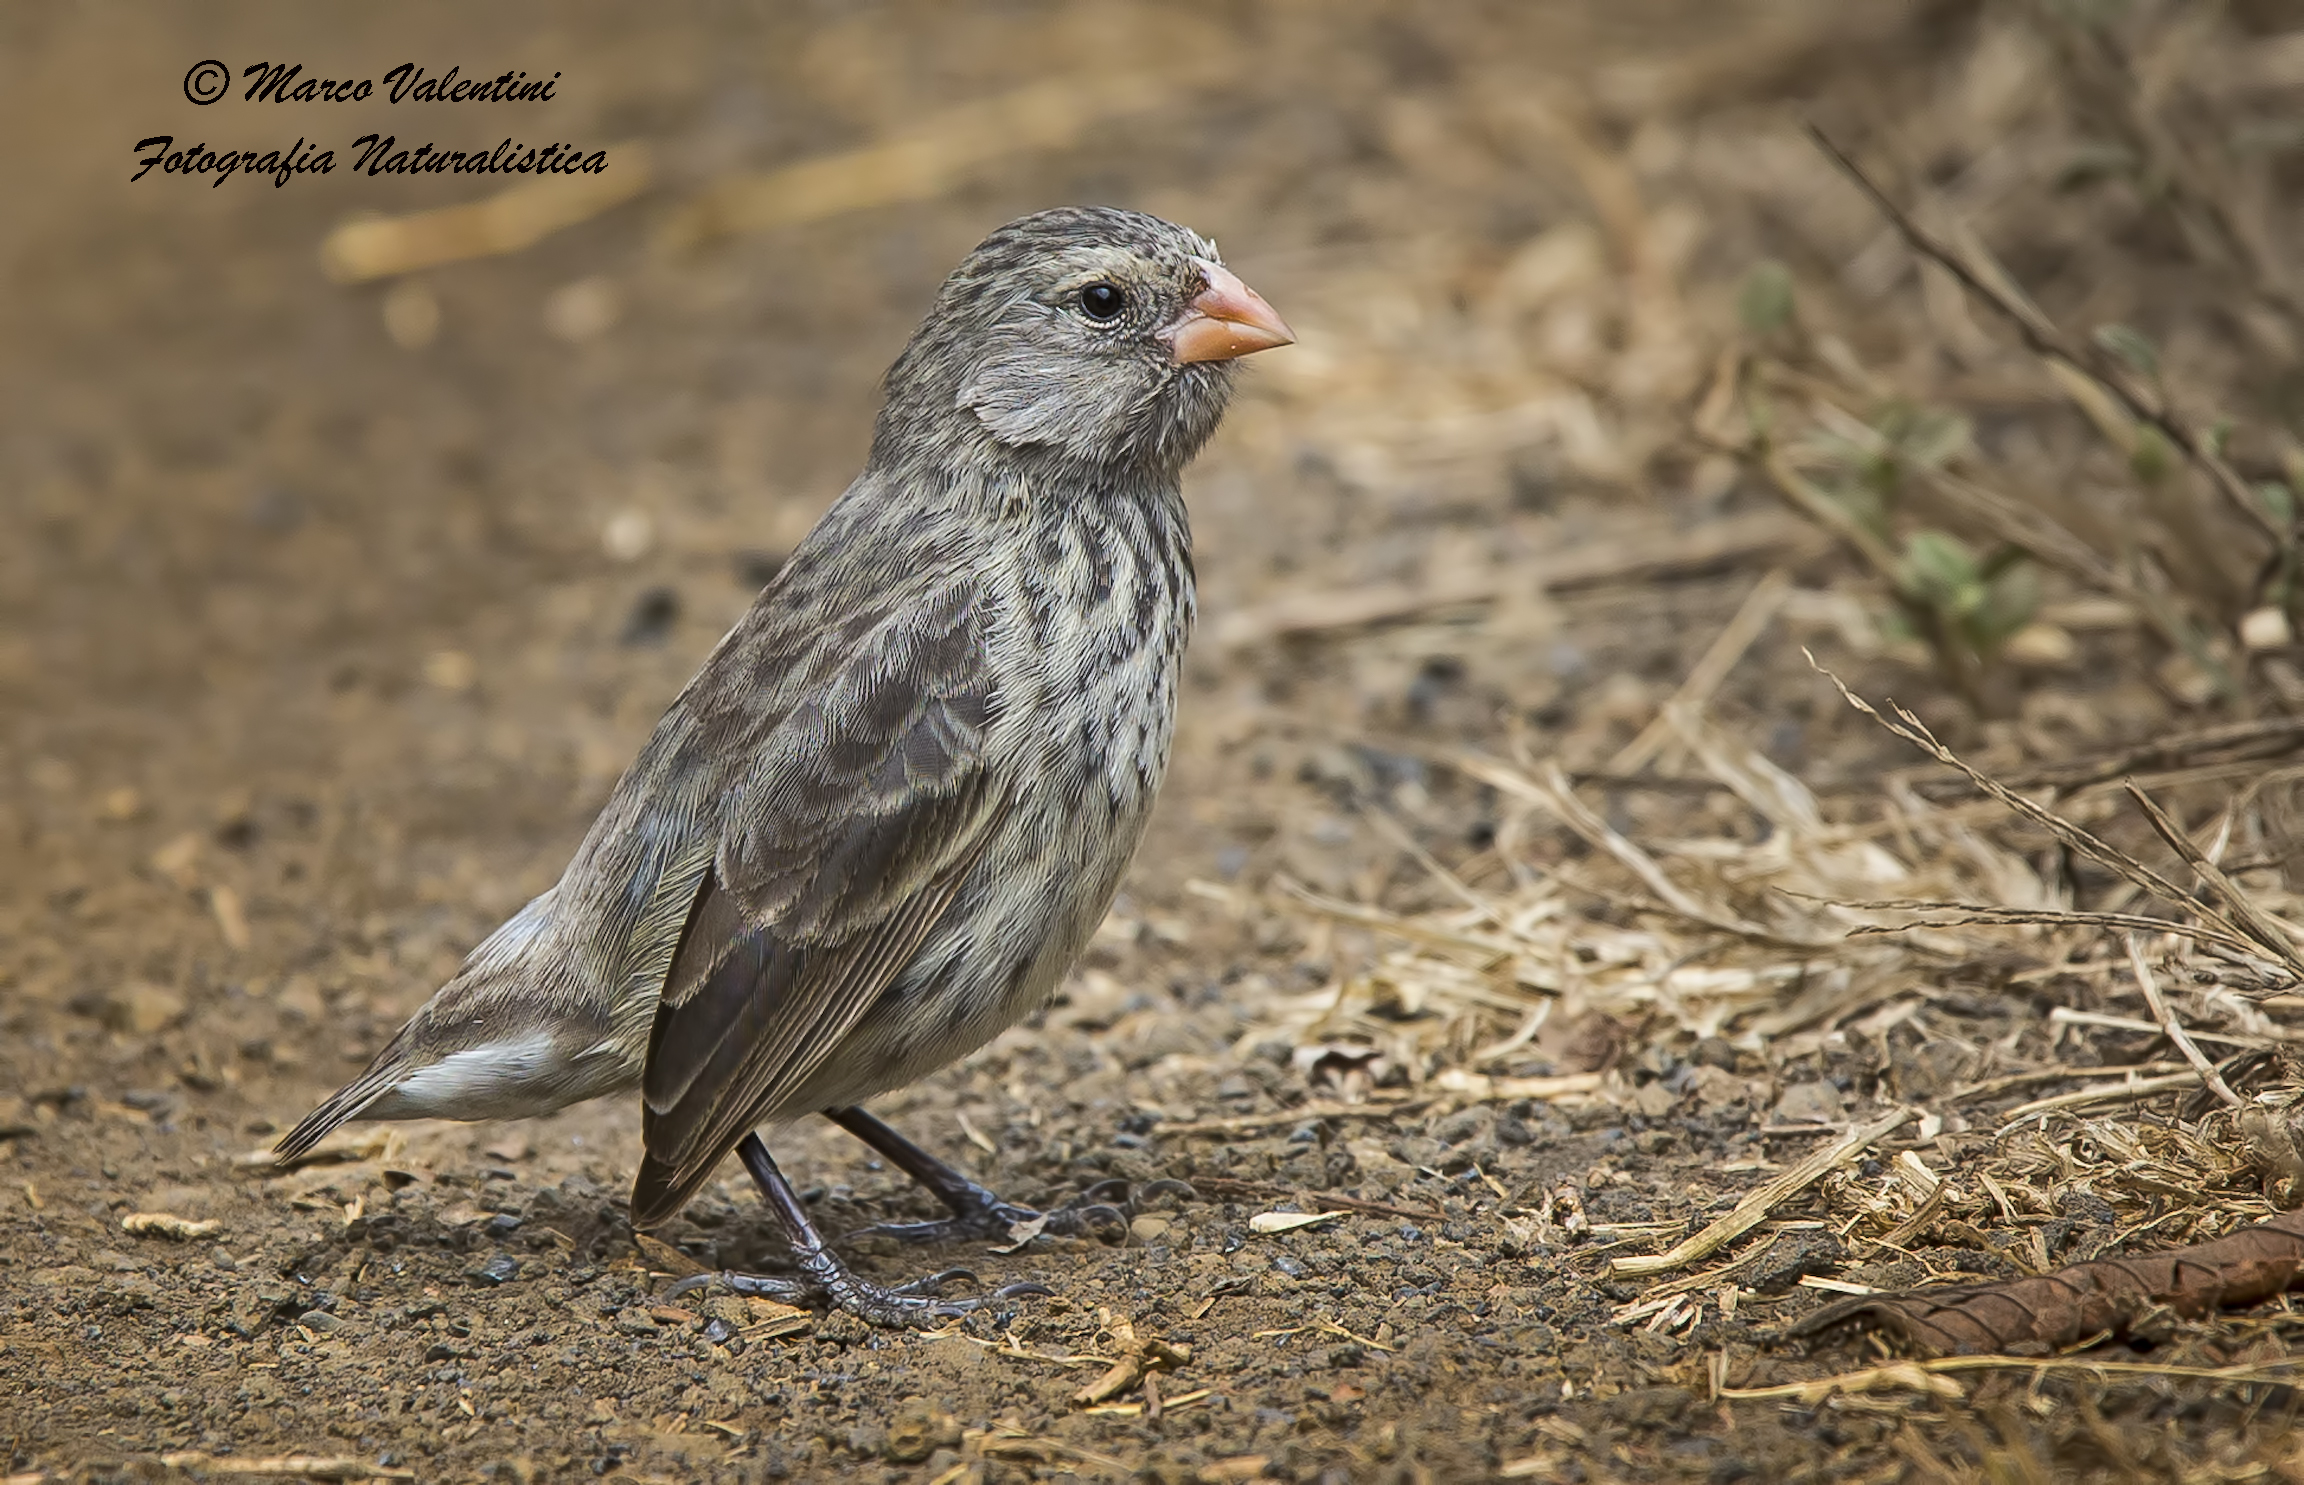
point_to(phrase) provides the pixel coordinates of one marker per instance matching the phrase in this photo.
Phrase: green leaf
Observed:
(1760, 411)
(1765, 304)
(1936, 436)
(1865, 504)
(2093, 14)
(1941, 572)
(2095, 161)
(2132, 346)
(2279, 500)
(2150, 459)
(2011, 599)
(2269, 137)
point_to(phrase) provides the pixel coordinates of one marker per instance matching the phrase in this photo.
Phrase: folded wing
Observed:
(839, 851)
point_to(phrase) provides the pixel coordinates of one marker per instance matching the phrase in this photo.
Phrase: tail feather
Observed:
(659, 1190)
(487, 991)
(345, 1104)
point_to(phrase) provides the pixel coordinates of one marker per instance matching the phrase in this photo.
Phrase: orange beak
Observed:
(1228, 319)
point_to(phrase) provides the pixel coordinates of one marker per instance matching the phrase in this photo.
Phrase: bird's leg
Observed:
(978, 1214)
(826, 1281)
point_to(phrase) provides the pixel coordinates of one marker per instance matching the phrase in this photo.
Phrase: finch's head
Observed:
(1102, 336)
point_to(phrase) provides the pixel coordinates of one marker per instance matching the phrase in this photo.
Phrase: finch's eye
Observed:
(1102, 303)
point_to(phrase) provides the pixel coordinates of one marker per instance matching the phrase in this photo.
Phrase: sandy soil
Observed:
(318, 651)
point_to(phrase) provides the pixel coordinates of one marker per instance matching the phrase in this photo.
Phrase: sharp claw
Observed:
(1103, 1193)
(916, 1305)
(1165, 1187)
(1101, 1210)
(1102, 1220)
(785, 1291)
(691, 1284)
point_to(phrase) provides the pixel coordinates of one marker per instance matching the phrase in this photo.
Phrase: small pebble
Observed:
(2266, 629)
(919, 1431)
(627, 536)
(1805, 1103)
(502, 1269)
(653, 614)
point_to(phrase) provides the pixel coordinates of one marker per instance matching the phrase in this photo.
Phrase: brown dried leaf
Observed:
(2036, 1316)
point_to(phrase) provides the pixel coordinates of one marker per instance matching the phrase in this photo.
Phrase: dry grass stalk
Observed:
(1914, 731)
(369, 248)
(2132, 1088)
(1715, 545)
(2175, 1028)
(1751, 620)
(932, 157)
(2144, 402)
(1755, 1207)
(286, 1466)
(168, 1225)
(2275, 938)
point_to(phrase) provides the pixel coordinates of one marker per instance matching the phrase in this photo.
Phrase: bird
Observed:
(886, 815)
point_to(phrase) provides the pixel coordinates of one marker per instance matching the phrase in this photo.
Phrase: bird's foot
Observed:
(823, 1281)
(919, 1305)
(1101, 1212)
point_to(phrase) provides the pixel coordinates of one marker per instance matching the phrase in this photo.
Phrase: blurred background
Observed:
(354, 532)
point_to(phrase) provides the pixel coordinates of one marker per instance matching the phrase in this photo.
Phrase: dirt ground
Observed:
(328, 615)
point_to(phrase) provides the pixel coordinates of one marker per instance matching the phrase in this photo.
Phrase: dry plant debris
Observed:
(1755, 1208)
(933, 157)
(1139, 1357)
(374, 247)
(2085, 1302)
(286, 1466)
(1725, 933)
(1802, 904)
(168, 1225)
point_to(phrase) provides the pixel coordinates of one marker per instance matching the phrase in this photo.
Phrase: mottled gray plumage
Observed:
(888, 812)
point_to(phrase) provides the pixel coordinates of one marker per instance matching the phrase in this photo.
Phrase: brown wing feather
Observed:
(765, 1045)
(866, 813)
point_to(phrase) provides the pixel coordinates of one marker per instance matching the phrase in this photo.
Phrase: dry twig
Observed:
(931, 157)
(1755, 1207)
(1708, 548)
(2099, 366)
(2173, 1028)
(519, 217)
(287, 1466)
